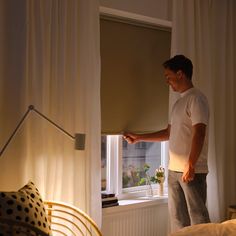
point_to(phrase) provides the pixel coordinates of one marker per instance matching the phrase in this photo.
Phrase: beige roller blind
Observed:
(134, 94)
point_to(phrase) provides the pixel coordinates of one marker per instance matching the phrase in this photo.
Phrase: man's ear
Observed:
(179, 73)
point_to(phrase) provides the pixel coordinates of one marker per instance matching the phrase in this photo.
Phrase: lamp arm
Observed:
(78, 138)
(14, 132)
(31, 107)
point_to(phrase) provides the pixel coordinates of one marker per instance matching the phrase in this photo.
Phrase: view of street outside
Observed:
(134, 157)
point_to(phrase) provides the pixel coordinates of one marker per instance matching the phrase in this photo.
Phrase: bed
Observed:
(226, 228)
(25, 213)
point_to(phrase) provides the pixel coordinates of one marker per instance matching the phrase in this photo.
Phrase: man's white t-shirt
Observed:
(190, 109)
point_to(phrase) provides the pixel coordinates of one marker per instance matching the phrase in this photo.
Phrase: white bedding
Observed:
(227, 228)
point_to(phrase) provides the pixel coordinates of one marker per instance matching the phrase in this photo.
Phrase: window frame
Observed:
(114, 164)
(114, 169)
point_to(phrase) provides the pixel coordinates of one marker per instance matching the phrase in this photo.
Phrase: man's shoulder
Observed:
(196, 94)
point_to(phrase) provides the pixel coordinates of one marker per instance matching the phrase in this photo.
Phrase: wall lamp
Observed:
(78, 138)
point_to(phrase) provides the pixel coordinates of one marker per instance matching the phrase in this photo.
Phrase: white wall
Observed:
(161, 9)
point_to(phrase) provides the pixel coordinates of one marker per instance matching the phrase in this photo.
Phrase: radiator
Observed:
(136, 220)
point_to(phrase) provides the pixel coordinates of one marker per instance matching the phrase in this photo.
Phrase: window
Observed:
(134, 97)
(123, 164)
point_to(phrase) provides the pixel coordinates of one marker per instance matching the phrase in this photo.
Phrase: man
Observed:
(187, 134)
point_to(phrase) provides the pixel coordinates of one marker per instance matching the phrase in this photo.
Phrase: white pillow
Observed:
(227, 228)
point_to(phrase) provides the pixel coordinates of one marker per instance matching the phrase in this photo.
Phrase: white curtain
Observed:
(49, 52)
(204, 30)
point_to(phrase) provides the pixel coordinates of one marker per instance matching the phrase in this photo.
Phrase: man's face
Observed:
(173, 79)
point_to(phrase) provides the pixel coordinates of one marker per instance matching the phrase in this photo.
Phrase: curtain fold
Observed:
(50, 53)
(205, 32)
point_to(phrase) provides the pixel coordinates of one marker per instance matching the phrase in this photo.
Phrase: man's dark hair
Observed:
(180, 62)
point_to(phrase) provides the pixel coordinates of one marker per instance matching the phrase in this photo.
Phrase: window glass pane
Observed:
(104, 162)
(134, 159)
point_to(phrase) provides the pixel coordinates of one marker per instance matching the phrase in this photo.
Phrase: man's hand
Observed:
(188, 174)
(131, 138)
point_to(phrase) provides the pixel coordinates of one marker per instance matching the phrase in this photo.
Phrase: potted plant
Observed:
(158, 178)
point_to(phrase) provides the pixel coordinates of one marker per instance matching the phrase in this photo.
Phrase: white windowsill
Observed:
(140, 202)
